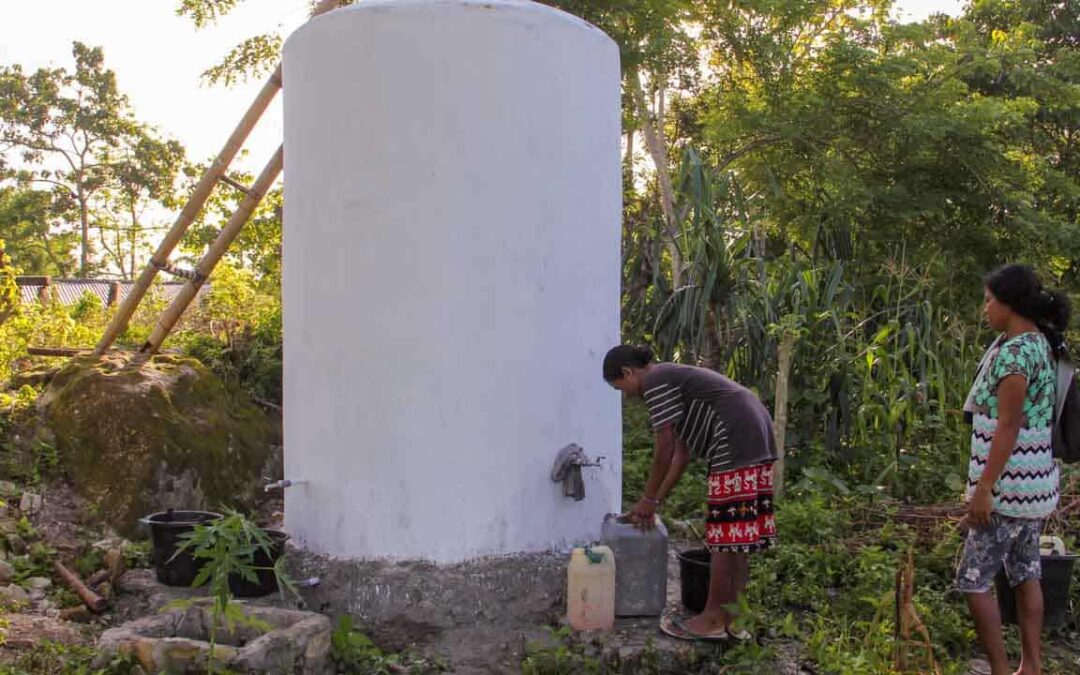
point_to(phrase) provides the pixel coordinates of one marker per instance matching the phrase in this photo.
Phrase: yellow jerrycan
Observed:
(590, 588)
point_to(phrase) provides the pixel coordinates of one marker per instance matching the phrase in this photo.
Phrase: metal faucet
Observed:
(282, 484)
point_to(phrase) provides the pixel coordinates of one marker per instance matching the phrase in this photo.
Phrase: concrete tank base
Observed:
(481, 616)
(476, 613)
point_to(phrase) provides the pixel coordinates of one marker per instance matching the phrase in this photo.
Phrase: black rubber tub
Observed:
(1057, 573)
(694, 568)
(166, 530)
(264, 560)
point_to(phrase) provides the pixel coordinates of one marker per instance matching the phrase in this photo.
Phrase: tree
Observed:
(255, 56)
(657, 50)
(74, 131)
(856, 138)
(63, 124)
(28, 222)
(9, 291)
(144, 172)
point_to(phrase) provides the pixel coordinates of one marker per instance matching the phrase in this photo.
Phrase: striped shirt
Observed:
(719, 420)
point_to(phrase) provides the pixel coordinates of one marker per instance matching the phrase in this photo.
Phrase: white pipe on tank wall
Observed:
(451, 277)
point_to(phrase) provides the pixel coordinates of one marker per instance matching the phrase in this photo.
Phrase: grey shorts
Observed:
(1012, 542)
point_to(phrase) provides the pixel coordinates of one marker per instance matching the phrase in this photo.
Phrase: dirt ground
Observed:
(477, 617)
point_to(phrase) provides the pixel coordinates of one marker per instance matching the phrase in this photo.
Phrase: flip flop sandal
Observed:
(740, 635)
(675, 627)
(978, 667)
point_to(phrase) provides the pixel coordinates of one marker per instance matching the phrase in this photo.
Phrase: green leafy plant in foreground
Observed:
(228, 547)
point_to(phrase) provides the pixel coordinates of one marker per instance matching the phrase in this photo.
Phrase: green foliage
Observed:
(136, 554)
(29, 224)
(50, 323)
(254, 57)
(236, 331)
(110, 165)
(89, 561)
(9, 292)
(205, 12)
(54, 658)
(227, 547)
(830, 583)
(558, 656)
(351, 651)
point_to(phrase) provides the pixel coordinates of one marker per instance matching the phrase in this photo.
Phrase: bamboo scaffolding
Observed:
(206, 265)
(214, 174)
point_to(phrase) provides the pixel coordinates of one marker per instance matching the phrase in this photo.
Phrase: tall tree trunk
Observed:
(783, 373)
(135, 230)
(84, 223)
(657, 147)
(116, 255)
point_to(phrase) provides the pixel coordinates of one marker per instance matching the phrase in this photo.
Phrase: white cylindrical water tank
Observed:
(451, 277)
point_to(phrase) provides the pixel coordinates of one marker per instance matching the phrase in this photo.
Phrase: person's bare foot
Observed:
(710, 625)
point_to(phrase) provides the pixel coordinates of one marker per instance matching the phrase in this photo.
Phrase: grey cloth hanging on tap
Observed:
(567, 469)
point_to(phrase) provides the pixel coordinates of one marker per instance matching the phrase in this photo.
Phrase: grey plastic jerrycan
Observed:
(640, 566)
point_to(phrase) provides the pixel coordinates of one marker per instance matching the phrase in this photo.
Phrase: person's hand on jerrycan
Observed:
(643, 515)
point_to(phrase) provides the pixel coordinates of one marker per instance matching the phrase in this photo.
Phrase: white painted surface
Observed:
(452, 223)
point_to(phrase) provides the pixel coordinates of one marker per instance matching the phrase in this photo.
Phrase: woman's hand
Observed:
(643, 515)
(980, 507)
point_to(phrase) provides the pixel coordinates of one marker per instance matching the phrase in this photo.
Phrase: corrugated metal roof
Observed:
(71, 291)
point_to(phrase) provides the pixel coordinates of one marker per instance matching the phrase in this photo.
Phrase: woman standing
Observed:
(697, 413)
(1012, 475)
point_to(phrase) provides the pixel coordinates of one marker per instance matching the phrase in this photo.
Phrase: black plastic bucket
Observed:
(166, 528)
(694, 566)
(267, 580)
(1056, 579)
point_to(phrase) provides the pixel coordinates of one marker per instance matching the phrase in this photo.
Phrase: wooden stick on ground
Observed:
(95, 602)
(55, 351)
(908, 618)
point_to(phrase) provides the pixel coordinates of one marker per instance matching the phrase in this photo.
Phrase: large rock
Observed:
(294, 642)
(139, 436)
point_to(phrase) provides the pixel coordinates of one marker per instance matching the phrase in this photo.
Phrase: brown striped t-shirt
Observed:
(719, 420)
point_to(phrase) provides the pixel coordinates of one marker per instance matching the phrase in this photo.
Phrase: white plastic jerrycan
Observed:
(590, 589)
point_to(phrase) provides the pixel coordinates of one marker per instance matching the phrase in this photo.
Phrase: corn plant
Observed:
(880, 362)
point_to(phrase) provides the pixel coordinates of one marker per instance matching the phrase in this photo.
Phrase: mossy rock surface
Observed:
(139, 436)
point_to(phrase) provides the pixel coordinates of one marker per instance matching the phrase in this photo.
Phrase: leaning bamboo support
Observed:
(190, 211)
(206, 265)
(214, 173)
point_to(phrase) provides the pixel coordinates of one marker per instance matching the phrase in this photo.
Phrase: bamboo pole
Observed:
(191, 209)
(195, 203)
(206, 265)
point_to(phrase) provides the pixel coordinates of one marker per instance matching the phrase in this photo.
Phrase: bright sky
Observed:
(158, 58)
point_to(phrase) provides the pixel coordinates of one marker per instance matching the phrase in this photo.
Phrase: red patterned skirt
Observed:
(740, 516)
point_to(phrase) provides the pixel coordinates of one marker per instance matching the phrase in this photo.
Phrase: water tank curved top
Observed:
(451, 277)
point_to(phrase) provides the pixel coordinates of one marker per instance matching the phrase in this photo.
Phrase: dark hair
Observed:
(625, 356)
(1021, 290)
